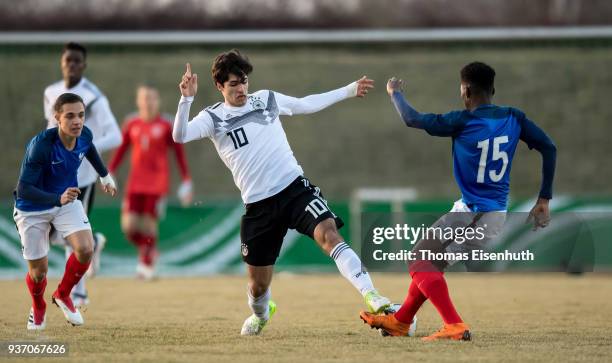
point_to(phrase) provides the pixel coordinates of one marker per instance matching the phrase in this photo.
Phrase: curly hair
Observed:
(479, 76)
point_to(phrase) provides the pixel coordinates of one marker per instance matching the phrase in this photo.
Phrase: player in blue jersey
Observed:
(484, 138)
(47, 195)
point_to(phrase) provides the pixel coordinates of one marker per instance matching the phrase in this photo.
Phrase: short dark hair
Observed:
(65, 98)
(480, 76)
(75, 46)
(231, 62)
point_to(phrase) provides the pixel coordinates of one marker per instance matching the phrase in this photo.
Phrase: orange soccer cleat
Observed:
(458, 331)
(388, 323)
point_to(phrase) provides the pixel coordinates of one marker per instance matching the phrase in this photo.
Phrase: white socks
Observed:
(350, 267)
(259, 305)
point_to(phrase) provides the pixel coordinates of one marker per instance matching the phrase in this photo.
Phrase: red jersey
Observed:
(149, 173)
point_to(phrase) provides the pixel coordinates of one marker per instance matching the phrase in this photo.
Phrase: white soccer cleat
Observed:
(94, 267)
(32, 324)
(145, 272)
(254, 325)
(375, 302)
(72, 314)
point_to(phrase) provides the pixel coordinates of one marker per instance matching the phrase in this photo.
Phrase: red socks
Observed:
(72, 275)
(428, 283)
(411, 305)
(37, 291)
(134, 237)
(146, 245)
(148, 250)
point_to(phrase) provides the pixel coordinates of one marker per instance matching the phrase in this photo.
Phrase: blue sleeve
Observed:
(537, 139)
(448, 124)
(96, 161)
(33, 194)
(36, 159)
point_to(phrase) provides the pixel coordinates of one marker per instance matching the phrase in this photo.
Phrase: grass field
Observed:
(545, 317)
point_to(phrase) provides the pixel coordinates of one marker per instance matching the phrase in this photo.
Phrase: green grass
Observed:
(358, 142)
(544, 317)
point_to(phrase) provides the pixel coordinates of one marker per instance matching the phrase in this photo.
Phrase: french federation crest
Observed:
(81, 155)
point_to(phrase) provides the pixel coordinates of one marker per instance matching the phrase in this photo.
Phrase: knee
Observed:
(38, 273)
(150, 231)
(130, 222)
(258, 288)
(149, 225)
(128, 226)
(84, 251)
(128, 229)
(327, 236)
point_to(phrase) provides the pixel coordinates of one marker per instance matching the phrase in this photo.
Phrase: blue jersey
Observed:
(484, 143)
(48, 169)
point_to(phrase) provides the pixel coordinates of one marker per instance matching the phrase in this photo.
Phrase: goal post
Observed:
(396, 197)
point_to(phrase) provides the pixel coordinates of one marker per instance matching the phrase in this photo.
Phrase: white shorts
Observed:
(34, 227)
(491, 224)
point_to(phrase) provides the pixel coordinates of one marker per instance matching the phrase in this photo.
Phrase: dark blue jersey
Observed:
(48, 169)
(484, 142)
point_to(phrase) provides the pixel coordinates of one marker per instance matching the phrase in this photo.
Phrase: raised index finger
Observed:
(188, 70)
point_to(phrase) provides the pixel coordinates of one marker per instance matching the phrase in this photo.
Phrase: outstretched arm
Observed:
(410, 116)
(310, 104)
(435, 124)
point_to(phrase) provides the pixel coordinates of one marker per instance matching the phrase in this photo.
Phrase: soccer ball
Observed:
(392, 309)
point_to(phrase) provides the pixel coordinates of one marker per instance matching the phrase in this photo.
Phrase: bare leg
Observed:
(258, 292)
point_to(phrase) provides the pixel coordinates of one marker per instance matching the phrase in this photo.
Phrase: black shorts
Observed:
(300, 206)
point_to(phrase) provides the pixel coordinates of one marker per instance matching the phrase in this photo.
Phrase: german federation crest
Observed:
(257, 103)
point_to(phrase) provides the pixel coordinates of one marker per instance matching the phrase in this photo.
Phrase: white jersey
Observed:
(98, 118)
(250, 139)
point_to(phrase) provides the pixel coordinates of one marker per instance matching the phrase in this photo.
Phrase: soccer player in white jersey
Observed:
(248, 135)
(107, 135)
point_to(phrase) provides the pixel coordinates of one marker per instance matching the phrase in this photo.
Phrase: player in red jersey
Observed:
(150, 136)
